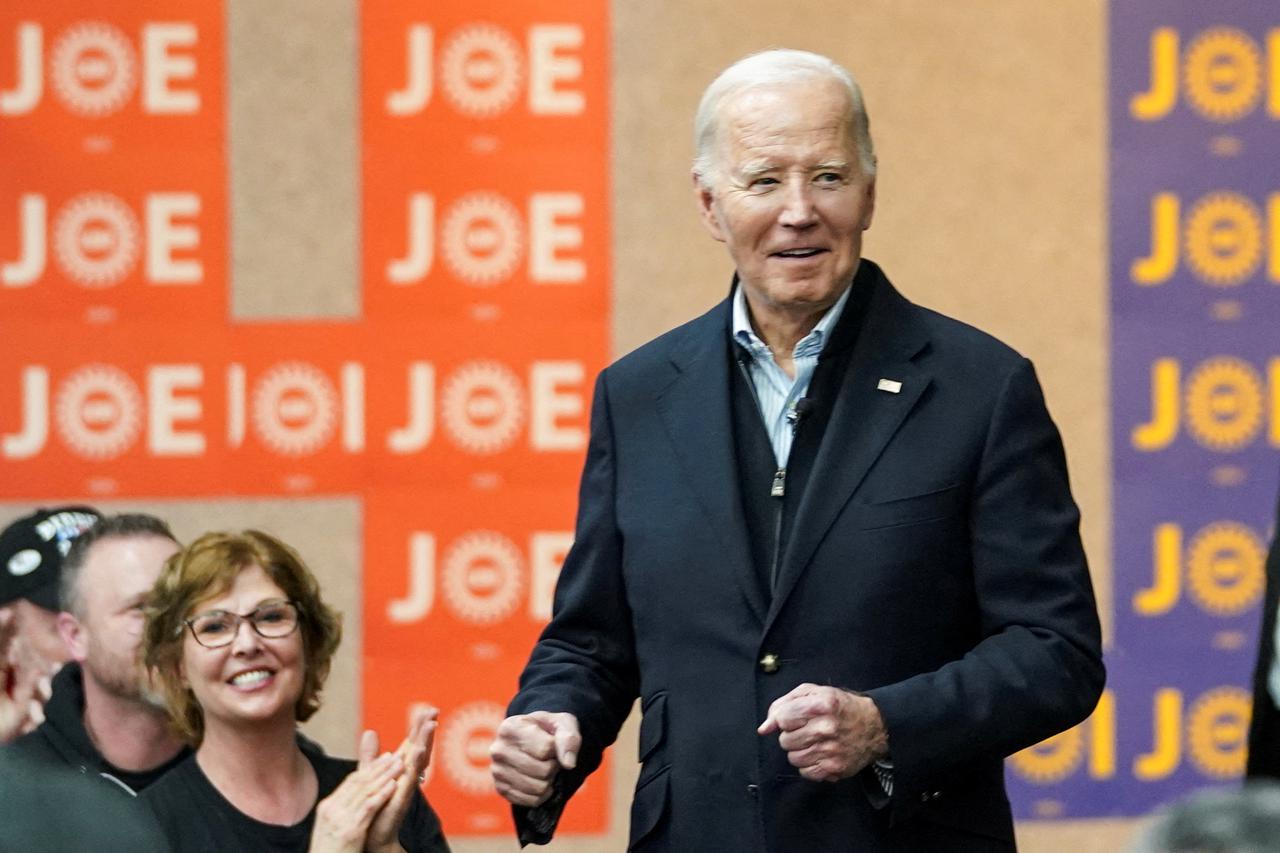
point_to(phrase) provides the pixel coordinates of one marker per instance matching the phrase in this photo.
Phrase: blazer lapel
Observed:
(695, 410)
(863, 420)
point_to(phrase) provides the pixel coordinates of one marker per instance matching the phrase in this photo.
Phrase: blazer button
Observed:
(769, 663)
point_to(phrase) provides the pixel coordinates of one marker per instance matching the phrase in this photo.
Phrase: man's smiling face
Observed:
(788, 197)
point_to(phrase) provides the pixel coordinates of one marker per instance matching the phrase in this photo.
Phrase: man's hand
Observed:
(528, 752)
(828, 734)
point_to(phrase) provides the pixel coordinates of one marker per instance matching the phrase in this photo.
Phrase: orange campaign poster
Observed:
(458, 583)
(486, 211)
(456, 407)
(182, 408)
(485, 158)
(113, 202)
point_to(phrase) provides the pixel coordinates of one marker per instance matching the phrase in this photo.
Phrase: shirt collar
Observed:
(811, 344)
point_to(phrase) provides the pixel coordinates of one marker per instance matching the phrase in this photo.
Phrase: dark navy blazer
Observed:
(935, 564)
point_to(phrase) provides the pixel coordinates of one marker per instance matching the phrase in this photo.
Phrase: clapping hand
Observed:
(343, 818)
(414, 753)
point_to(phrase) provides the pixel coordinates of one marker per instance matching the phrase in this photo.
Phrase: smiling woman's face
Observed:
(252, 678)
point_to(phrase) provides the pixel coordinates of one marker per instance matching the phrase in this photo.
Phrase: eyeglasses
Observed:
(217, 628)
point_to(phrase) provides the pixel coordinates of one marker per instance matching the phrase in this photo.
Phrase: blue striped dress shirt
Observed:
(777, 393)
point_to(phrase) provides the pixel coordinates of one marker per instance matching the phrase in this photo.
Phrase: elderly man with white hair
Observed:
(824, 535)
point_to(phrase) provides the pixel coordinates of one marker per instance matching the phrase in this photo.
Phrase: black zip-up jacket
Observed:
(62, 739)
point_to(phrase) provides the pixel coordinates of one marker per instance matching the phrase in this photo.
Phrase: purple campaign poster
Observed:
(1194, 225)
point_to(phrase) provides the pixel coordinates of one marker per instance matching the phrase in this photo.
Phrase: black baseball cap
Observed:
(31, 552)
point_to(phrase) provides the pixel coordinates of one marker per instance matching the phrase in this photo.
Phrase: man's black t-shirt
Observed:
(196, 817)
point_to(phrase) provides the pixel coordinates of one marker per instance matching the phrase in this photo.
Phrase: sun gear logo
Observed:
(1224, 235)
(295, 409)
(464, 745)
(483, 407)
(1217, 732)
(1226, 568)
(95, 239)
(1223, 74)
(94, 69)
(483, 238)
(482, 70)
(99, 412)
(483, 577)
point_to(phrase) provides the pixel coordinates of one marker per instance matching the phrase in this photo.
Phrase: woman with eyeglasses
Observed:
(240, 642)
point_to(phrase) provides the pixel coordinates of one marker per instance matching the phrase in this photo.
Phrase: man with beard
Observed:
(102, 717)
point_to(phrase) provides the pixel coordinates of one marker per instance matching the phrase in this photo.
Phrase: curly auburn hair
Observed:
(207, 568)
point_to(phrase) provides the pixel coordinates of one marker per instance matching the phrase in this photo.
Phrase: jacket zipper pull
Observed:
(779, 487)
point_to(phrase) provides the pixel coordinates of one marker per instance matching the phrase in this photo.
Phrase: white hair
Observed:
(772, 68)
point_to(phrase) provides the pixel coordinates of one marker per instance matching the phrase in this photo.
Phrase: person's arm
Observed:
(1038, 667)
(584, 663)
